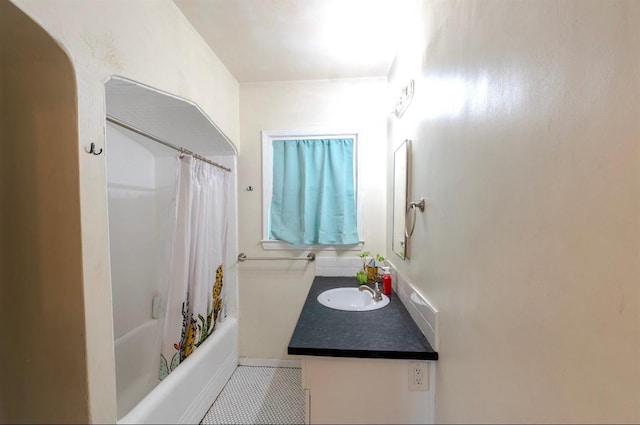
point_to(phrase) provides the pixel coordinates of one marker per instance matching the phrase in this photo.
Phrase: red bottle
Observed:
(386, 281)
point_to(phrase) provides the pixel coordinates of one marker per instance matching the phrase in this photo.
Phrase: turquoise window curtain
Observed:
(313, 198)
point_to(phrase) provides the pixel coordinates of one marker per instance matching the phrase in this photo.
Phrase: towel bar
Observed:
(243, 257)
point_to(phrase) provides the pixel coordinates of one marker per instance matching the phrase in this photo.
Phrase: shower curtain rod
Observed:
(162, 142)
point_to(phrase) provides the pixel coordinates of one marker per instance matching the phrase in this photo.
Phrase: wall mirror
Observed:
(401, 163)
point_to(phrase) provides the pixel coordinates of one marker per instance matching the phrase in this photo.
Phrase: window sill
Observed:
(283, 246)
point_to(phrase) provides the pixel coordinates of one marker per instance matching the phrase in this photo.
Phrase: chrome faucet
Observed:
(375, 293)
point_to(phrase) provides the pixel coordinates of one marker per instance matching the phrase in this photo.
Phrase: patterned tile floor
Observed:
(259, 395)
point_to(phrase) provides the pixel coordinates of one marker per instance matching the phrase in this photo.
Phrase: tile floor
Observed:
(259, 395)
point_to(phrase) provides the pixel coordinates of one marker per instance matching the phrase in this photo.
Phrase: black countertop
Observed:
(386, 333)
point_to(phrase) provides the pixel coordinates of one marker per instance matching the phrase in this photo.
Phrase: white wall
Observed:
(41, 286)
(526, 146)
(149, 42)
(272, 293)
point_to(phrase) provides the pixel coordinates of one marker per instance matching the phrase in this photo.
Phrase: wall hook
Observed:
(93, 149)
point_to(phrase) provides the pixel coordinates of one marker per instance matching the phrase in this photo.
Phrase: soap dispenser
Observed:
(386, 281)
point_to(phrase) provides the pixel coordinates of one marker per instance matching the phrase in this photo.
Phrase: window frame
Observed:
(268, 136)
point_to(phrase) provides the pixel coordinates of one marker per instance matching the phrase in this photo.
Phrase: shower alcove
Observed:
(141, 176)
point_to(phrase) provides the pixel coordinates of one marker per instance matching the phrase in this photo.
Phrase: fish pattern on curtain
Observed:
(195, 296)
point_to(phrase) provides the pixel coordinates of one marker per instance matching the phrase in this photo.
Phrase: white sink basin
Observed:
(351, 299)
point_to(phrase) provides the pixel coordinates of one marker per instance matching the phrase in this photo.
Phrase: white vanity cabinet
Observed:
(366, 391)
(363, 366)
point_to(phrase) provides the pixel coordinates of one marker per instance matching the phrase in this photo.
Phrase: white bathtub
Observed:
(137, 364)
(187, 393)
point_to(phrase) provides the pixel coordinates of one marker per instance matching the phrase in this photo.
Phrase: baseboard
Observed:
(247, 361)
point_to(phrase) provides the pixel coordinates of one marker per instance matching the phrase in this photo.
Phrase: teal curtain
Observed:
(314, 198)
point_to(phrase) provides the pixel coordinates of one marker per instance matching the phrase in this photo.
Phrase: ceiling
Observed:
(280, 40)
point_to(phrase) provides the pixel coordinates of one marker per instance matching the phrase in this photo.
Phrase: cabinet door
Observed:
(363, 391)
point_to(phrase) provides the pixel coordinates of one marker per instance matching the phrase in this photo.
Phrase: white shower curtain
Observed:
(195, 294)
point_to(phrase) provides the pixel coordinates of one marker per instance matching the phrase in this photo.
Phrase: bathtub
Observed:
(187, 393)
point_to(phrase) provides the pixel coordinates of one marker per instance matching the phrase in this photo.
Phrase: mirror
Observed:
(401, 161)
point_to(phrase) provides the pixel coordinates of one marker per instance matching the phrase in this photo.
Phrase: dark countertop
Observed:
(386, 333)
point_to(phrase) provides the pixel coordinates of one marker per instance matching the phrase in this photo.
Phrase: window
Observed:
(310, 194)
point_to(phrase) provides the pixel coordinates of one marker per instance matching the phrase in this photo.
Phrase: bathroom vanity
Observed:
(360, 366)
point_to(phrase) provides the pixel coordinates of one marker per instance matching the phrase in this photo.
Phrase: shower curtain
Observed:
(195, 296)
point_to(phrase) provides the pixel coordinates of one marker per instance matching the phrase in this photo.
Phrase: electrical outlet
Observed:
(418, 376)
